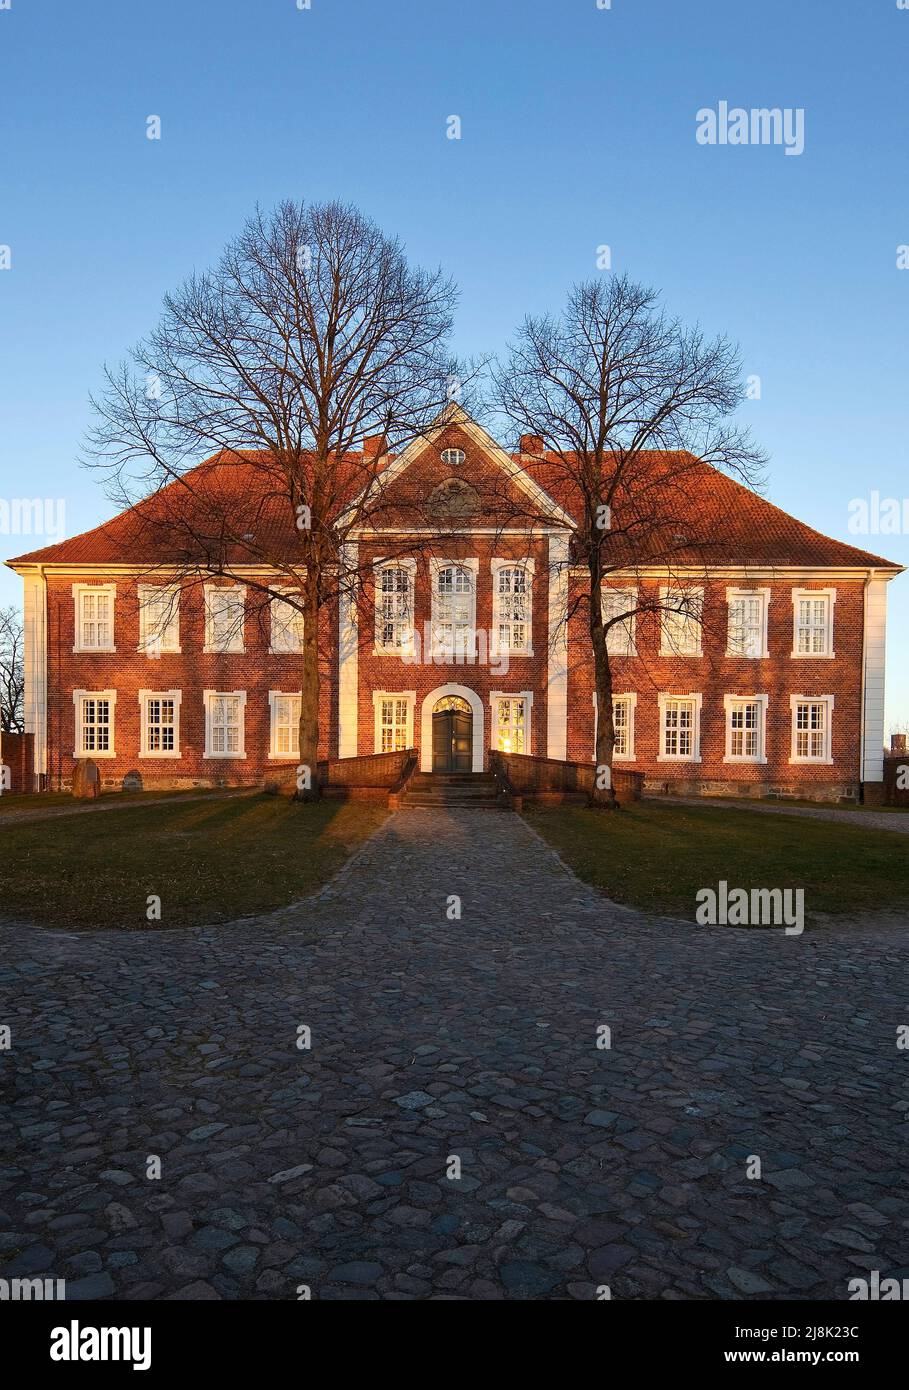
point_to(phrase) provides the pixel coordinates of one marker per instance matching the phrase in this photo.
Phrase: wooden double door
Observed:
(452, 741)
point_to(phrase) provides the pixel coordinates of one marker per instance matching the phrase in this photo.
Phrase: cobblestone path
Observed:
(438, 1044)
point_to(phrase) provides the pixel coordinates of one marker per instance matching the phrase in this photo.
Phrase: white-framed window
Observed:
(286, 626)
(747, 631)
(812, 728)
(94, 617)
(746, 728)
(159, 619)
(453, 456)
(616, 603)
(623, 712)
(681, 616)
(225, 723)
(225, 611)
(511, 721)
(812, 622)
(159, 721)
(94, 713)
(394, 584)
(284, 721)
(680, 728)
(393, 719)
(454, 607)
(512, 582)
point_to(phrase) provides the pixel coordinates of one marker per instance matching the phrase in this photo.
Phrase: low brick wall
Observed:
(17, 754)
(367, 778)
(551, 781)
(893, 793)
(783, 791)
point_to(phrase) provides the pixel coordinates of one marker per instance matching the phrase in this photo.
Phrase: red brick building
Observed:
(471, 634)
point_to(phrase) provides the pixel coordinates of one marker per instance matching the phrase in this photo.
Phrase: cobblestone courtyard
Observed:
(475, 1039)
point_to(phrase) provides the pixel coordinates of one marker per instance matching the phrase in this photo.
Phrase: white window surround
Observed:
(144, 696)
(95, 753)
(621, 638)
(406, 646)
(734, 595)
(285, 624)
(167, 638)
(209, 696)
(273, 751)
(800, 595)
(80, 593)
(463, 650)
(828, 702)
(690, 623)
(426, 709)
(377, 697)
(629, 698)
(527, 696)
(235, 642)
(664, 699)
(498, 565)
(729, 702)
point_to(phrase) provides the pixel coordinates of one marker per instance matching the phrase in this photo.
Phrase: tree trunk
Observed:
(603, 795)
(308, 770)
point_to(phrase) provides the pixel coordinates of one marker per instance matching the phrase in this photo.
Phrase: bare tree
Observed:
(12, 672)
(312, 338)
(626, 406)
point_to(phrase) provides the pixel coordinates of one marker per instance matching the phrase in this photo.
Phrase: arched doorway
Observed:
(451, 730)
(452, 735)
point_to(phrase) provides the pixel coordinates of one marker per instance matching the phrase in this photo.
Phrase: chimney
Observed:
(531, 444)
(897, 743)
(374, 446)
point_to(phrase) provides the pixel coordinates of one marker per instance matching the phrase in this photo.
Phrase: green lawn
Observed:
(208, 861)
(657, 857)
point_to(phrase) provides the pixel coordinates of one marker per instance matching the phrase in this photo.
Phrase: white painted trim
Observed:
(390, 563)
(273, 602)
(348, 651)
(629, 627)
(830, 595)
(794, 700)
(144, 589)
(696, 593)
(631, 699)
(78, 697)
(761, 701)
(34, 656)
(662, 700)
(440, 655)
(496, 565)
(238, 635)
(78, 590)
(527, 696)
(144, 696)
(874, 660)
(764, 594)
(273, 696)
(207, 697)
(377, 697)
(557, 651)
(431, 700)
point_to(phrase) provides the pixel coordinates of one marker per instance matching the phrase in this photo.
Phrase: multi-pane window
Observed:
(286, 626)
(94, 617)
(512, 608)
(679, 728)
(224, 614)
(747, 623)
(393, 724)
(621, 723)
(94, 723)
(160, 723)
(813, 620)
(394, 608)
(811, 720)
(285, 725)
(616, 604)
(681, 614)
(453, 611)
(224, 724)
(159, 619)
(511, 722)
(745, 724)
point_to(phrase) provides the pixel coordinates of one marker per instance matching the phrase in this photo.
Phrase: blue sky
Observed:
(578, 129)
